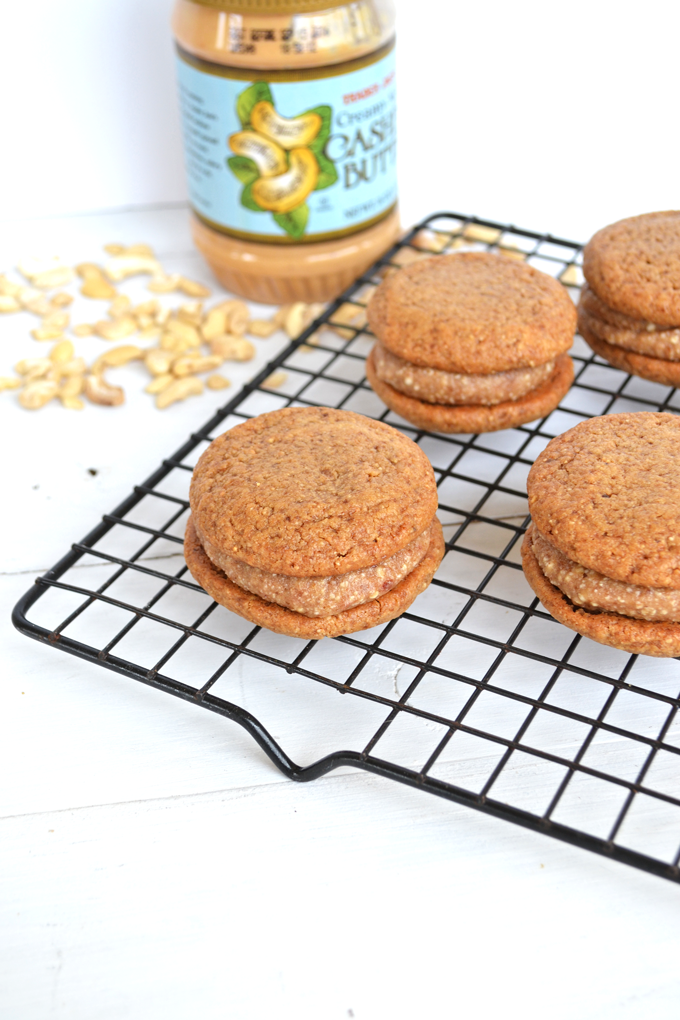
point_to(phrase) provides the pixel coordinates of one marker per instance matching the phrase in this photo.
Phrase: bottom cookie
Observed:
(477, 418)
(285, 621)
(638, 636)
(656, 369)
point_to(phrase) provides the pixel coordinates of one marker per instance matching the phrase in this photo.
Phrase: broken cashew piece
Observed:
(299, 316)
(76, 366)
(33, 368)
(194, 365)
(62, 352)
(37, 394)
(116, 329)
(232, 348)
(180, 389)
(100, 392)
(117, 357)
(192, 288)
(162, 284)
(73, 387)
(262, 328)
(158, 361)
(159, 382)
(47, 333)
(228, 317)
(217, 382)
(122, 266)
(274, 380)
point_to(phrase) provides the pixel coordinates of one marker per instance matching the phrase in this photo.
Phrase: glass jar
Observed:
(288, 110)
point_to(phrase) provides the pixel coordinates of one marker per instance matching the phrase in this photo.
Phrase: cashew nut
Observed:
(232, 348)
(37, 394)
(62, 352)
(197, 363)
(180, 389)
(261, 327)
(228, 317)
(116, 329)
(116, 357)
(159, 382)
(33, 368)
(100, 392)
(158, 361)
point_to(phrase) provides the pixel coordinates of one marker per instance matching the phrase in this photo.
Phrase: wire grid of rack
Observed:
(475, 694)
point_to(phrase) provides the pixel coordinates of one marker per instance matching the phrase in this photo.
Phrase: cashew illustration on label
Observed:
(287, 191)
(280, 160)
(289, 133)
(269, 158)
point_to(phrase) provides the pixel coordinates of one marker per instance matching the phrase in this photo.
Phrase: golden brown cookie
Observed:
(662, 343)
(313, 522)
(634, 266)
(656, 369)
(636, 636)
(477, 418)
(285, 621)
(312, 491)
(606, 494)
(473, 312)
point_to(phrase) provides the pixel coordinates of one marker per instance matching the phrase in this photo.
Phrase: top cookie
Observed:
(634, 266)
(311, 491)
(473, 312)
(606, 494)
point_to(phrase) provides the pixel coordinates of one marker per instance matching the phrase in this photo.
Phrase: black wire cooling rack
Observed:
(476, 694)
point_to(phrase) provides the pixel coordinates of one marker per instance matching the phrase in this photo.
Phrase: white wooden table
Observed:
(154, 863)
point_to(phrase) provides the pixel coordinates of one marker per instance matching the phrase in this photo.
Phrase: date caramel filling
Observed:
(323, 596)
(591, 590)
(434, 386)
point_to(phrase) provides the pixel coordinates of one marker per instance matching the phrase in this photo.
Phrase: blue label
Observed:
(290, 160)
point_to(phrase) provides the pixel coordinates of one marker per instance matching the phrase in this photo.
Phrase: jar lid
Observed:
(271, 6)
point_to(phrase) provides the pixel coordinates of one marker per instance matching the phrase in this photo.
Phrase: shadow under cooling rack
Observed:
(476, 694)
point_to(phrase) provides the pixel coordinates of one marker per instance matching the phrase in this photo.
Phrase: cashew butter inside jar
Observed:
(288, 112)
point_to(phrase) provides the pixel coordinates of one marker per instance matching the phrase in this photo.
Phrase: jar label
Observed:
(292, 158)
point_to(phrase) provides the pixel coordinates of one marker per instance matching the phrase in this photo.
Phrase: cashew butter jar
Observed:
(288, 113)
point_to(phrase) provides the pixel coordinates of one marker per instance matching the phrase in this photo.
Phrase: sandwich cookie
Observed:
(629, 312)
(603, 549)
(470, 342)
(314, 522)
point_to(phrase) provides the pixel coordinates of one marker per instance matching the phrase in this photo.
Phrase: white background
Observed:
(559, 117)
(153, 863)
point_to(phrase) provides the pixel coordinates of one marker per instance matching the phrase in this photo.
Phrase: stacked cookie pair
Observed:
(603, 549)
(470, 342)
(629, 312)
(313, 522)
